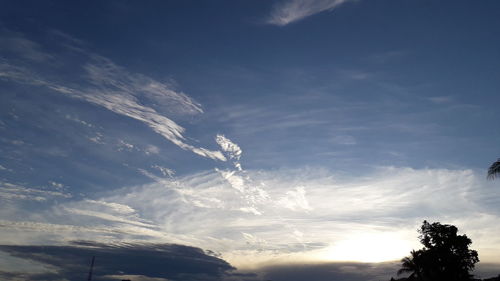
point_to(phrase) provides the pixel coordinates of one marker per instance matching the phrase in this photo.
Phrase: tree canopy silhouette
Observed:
(445, 256)
(494, 170)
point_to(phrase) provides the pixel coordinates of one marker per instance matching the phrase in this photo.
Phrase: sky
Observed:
(244, 139)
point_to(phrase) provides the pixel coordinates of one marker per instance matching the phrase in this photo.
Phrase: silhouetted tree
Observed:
(412, 265)
(445, 256)
(494, 170)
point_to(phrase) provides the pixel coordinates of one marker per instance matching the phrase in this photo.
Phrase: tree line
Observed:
(445, 256)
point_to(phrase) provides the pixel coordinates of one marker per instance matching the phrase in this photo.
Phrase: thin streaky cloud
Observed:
(22, 232)
(116, 207)
(308, 206)
(311, 210)
(105, 74)
(11, 191)
(291, 11)
(129, 94)
(16, 43)
(49, 227)
(107, 217)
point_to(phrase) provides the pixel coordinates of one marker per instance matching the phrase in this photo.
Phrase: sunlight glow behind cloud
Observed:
(312, 214)
(370, 247)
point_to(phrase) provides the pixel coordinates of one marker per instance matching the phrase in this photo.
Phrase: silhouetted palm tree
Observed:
(411, 265)
(494, 170)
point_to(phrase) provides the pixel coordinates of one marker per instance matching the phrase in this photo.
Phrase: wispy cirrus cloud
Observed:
(291, 11)
(10, 191)
(260, 216)
(103, 83)
(16, 43)
(111, 212)
(313, 213)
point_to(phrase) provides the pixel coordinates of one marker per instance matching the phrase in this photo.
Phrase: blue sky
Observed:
(268, 132)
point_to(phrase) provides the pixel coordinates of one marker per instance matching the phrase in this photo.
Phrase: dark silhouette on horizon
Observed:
(445, 256)
(494, 170)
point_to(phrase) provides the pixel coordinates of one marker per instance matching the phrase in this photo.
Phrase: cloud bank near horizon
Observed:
(314, 214)
(118, 261)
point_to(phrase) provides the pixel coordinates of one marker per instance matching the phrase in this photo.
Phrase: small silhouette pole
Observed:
(91, 267)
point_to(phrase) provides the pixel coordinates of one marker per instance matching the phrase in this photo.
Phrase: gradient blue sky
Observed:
(269, 132)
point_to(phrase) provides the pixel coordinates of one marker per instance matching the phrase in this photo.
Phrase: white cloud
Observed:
(123, 145)
(151, 149)
(9, 191)
(129, 94)
(56, 184)
(150, 175)
(166, 172)
(106, 75)
(118, 208)
(295, 199)
(278, 213)
(5, 169)
(117, 91)
(98, 138)
(76, 119)
(294, 10)
(250, 210)
(34, 232)
(106, 216)
(305, 214)
(231, 149)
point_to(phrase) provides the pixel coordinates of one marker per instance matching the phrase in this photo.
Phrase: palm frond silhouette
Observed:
(494, 170)
(411, 265)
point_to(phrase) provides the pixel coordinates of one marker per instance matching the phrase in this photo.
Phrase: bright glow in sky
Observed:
(264, 133)
(371, 247)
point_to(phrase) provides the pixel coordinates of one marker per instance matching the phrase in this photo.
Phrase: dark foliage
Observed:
(494, 170)
(445, 256)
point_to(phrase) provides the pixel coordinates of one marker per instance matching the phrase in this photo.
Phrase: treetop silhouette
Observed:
(445, 256)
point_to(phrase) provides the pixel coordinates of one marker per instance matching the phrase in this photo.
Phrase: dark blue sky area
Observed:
(430, 66)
